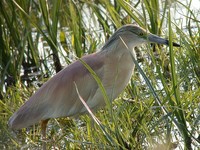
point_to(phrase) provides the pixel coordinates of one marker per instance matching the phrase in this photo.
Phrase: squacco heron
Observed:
(112, 64)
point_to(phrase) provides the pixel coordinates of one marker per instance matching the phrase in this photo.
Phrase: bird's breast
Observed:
(117, 73)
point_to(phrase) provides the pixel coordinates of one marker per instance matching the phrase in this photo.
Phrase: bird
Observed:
(112, 64)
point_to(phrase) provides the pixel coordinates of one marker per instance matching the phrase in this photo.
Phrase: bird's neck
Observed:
(118, 48)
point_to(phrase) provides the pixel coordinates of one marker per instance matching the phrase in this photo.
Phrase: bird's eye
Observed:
(141, 34)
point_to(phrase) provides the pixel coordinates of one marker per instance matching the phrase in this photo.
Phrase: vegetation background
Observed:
(38, 38)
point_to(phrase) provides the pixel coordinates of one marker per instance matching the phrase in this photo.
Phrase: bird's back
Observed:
(58, 96)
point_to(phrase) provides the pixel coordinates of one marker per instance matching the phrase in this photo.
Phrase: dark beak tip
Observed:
(176, 45)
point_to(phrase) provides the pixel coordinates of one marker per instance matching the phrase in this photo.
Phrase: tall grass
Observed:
(158, 109)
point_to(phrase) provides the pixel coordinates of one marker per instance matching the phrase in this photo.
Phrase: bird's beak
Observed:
(156, 39)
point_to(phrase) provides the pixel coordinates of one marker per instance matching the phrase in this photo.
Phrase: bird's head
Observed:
(133, 35)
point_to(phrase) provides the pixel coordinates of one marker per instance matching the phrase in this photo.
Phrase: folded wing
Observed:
(58, 96)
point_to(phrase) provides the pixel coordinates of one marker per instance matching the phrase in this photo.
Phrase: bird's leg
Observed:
(43, 131)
